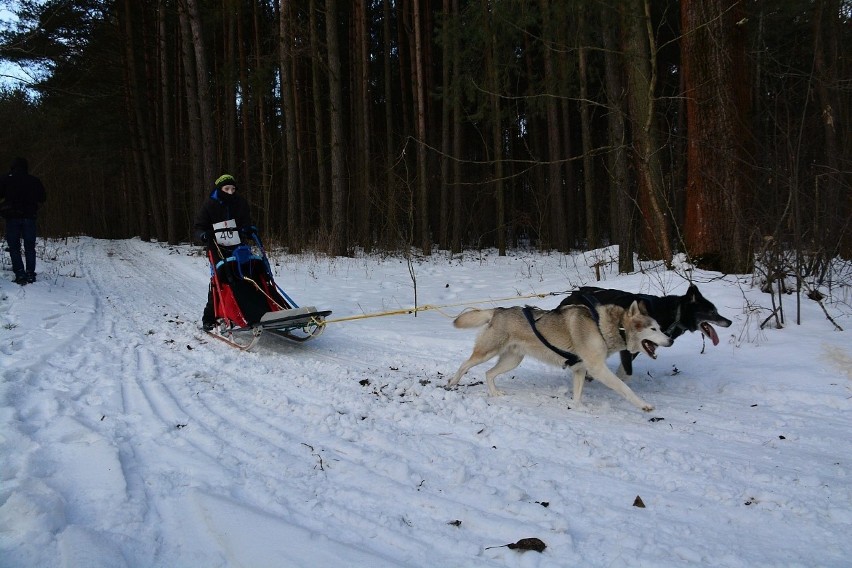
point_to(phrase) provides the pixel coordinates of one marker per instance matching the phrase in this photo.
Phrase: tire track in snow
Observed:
(210, 432)
(143, 415)
(266, 405)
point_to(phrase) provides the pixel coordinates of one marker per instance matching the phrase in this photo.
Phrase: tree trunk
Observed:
(832, 210)
(363, 132)
(166, 116)
(565, 74)
(338, 242)
(419, 89)
(303, 188)
(559, 239)
(208, 143)
(324, 209)
(391, 228)
(247, 104)
(621, 197)
(285, 62)
(641, 73)
(457, 136)
(190, 81)
(496, 127)
(717, 92)
(403, 59)
(444, 216)
(139, 127)
(231, 64)
(264, 141)
(586, 133)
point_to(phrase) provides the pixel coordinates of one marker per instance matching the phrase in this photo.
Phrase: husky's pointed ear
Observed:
(692, 293)
(634, 309)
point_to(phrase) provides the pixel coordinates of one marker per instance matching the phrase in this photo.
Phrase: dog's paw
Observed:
(496, 392)
(647, 408)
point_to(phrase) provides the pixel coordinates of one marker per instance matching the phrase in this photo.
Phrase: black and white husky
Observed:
(675, 314)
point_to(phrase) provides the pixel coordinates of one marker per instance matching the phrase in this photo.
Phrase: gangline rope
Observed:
(439, 307)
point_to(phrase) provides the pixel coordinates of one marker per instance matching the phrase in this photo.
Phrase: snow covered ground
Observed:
(129, 438)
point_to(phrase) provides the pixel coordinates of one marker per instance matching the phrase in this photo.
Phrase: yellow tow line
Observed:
(437, 307)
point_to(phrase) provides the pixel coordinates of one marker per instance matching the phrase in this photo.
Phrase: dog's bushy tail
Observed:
(473, 318)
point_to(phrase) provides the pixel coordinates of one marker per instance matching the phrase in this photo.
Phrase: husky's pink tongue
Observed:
(708, 330)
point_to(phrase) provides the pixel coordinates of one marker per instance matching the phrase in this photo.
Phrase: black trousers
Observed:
(209, 315)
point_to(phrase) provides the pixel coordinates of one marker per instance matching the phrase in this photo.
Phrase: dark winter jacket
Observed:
(217, 208)
(20, 193)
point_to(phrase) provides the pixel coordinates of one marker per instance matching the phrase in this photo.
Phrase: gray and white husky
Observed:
(568, 336)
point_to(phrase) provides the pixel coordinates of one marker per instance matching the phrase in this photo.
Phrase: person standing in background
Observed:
(21, 194)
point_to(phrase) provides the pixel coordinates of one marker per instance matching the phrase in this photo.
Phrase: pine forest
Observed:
(719, 129)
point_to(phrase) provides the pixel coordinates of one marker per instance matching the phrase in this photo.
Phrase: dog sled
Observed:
(247, 302)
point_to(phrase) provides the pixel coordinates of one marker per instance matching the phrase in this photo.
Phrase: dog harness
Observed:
(676, 329)
(592, 303)
(676, 326)
(626, 357)
(570, 358)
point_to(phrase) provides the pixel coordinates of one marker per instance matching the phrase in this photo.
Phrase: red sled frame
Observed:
(248, 275)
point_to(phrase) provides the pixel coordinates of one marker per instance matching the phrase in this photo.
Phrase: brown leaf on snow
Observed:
(524, 544)
(528, 544)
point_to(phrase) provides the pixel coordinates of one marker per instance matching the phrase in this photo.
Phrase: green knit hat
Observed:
(225, 179)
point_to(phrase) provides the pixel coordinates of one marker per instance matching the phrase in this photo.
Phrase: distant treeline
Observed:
(709, 127)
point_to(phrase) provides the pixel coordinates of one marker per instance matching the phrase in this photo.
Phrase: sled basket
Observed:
(247, 301)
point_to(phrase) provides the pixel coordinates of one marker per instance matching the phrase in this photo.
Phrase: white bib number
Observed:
(226, 233)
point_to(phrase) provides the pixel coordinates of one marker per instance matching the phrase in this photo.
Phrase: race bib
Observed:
(226, 233)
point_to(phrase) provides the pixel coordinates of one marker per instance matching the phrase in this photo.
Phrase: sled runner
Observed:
(248, 302)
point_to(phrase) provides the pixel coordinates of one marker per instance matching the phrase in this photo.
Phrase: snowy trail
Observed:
(133, 439)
